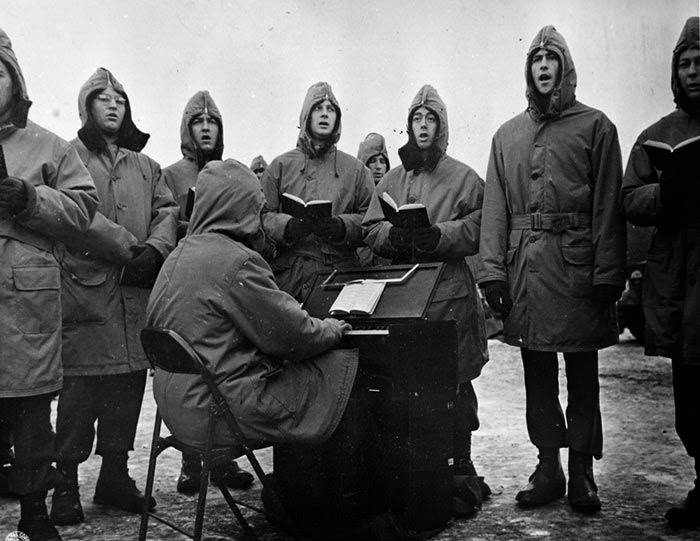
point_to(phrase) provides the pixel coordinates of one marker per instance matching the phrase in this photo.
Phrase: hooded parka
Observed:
(315, 173)
(61, 203)
(265, 351)
(551, 226)
(671, 293)
(452, 193)
(258, 163)
(101, 318)
(182, 175)
(373, 145)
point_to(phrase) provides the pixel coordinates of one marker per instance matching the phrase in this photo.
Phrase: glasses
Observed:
(107, 99)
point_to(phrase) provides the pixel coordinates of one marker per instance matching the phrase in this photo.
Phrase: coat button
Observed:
(533, 239)
(411, 199)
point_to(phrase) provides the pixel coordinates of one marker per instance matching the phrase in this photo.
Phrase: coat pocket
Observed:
(89, 292)
(37, 298)
(578, 261)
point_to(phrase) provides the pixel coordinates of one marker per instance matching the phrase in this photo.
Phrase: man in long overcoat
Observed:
(553, 250)
(46, 195)
(668, 199)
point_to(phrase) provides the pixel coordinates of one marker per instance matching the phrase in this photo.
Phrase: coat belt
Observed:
(550, 221)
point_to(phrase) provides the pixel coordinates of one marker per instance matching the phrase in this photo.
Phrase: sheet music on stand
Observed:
(358, 297)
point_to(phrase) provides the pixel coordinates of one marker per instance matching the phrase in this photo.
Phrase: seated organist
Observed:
(273, 362)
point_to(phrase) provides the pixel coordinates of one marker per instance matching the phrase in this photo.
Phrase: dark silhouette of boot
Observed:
(583, 492)
(546, 484)
(190, 471)
(65, 503)
(116, 489)
(34, 520)
(232, 476)
(469, 489)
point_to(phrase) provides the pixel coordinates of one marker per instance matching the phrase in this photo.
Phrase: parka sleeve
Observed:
(65, 205)
(272, 319)
(162, 231)
(641, 201)
(494, 220)
(364, 186)
(106, 240)
(274, 222)
(460, 237)
(375, 229)
(608, 224)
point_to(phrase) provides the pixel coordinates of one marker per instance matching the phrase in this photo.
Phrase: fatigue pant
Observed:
(114, 401)
(686, 396)
(28, 421)
(466, 420)
(581, 430)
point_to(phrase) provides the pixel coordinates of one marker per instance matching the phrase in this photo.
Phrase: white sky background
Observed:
(258, 58)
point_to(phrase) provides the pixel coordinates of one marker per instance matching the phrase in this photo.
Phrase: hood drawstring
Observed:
(306, 162)
(335, 162)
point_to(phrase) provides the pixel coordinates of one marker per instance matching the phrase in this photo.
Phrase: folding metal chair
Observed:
(168, 351)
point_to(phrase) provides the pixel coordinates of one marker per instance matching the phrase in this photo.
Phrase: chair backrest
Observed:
(167, 350)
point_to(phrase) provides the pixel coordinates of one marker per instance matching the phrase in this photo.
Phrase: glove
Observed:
(400, 238)
(332, 230)
(13, 195)
(605, 294)
(296, 230)
(143, 268)
(427, 238)
(498, 297)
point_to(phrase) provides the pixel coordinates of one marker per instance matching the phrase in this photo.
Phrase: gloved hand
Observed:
(297, 230)
(332, 229)
(143, 268)
(498, 297)
(605, 294)
(13, 195)
(427, 238)
(400, 238)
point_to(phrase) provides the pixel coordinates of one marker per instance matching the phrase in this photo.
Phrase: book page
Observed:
(294, 198)
(388, 199)
(358, 298)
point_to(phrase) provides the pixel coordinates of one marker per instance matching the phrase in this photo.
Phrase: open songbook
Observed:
(662, 154)
(408, 216)
(359, 297)
(315, 211)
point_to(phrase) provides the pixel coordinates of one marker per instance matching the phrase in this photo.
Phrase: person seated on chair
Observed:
(272, 361)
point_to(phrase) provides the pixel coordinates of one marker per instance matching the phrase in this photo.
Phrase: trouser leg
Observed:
(686, 397)
(466, 420)
(29, 421)
(75, 422)
(585, 432)
(546, 425)
(119, 408)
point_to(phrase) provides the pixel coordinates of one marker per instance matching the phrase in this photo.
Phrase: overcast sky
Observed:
(258, 58)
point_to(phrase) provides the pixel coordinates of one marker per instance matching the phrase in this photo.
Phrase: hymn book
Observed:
(408, 216)
(317, 210)
(358, 298)
(662, 154)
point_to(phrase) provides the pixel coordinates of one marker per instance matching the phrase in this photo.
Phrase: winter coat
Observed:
(551, 227)
(373, 145)
(182, 175)
(311, 174)
(101, 318)
(265, 352)
(61, 203)
(671, 293)
(452, 193)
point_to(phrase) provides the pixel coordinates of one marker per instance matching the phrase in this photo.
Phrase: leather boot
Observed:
(583, 492)
(65, 503)
(687, 515)
(34, 520)
(191, 469)
(115, 488)
(232, 476)
(469, 489)
(546, 484)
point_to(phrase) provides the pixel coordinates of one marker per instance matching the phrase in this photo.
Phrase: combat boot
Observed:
(546, 484)
(469, 489)
(190, 471)
(65, 503)
(583, 492)
(116, 489)
(232, 476)
(34, 520)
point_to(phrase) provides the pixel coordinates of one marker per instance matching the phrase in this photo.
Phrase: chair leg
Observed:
(201, 499)
(245, 525)
(143, 529)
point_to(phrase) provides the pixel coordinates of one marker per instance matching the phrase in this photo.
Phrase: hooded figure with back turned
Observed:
(668, 199)
(553, 254)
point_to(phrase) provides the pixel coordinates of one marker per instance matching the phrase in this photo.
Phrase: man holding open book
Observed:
(665, 194)
(429, 209)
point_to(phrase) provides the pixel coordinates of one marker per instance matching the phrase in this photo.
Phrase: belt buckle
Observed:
(560, 224)
(536, 221)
